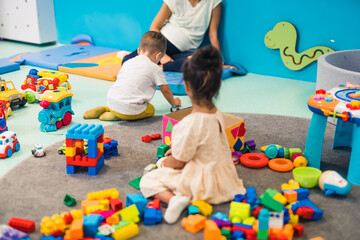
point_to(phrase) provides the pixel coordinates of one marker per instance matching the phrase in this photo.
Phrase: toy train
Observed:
(56, 110)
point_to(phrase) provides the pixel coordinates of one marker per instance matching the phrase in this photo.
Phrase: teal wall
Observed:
(120, 24)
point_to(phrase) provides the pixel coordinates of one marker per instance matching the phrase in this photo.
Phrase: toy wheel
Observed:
(59, 124)
(281, 164)
(23, 102)
(254, 160)
(60, 152)
(17, 147)
(67, 118)
(9, 152)
(30, 97)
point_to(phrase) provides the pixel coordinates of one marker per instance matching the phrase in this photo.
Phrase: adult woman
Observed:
(184, 23)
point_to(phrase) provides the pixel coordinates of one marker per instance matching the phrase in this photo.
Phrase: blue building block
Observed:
(193, 210)
(85, 131)
(239, 197)
(91, 224)
(50, 237)
(94, 170)
(286, 216)
(251, 195)
(263, 217)
(237, 234)
(139, 200)
(110, 149)
(102, 237)
(243, 225)
(308, 203)
(220, 215)
(152, 216)
(92, 148)
(70, 169)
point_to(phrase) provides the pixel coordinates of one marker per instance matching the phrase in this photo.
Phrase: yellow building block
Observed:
(280, 198)
(76, 214)
(126, 232)
(101, 147)
(239, 211)
(130, 214)
(47, 226)
(112, 193)
(292, 184)
(70, 151)
(249, 221)
(204, 208)
(87, 203)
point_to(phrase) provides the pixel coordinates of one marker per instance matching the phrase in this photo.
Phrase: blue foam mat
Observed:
(8, 66)
(52, 58)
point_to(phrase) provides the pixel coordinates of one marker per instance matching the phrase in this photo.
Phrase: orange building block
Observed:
(113, 219)
(88, 203)
(76, 229)
(212, 232)
(290, 195)
(317, 238)
(194, 223)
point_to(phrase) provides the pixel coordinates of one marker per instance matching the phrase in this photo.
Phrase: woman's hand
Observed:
(230, 67)
(166, 59)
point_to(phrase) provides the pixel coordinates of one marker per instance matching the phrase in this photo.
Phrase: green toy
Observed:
(69, 201)
(283, 37)
(162, 149)
(135, 183)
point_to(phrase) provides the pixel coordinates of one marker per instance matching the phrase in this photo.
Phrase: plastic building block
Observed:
(251, 144)
(121, 224)
(154, 204)
(9, 233)
(298, 230)
(113, 219)
(204, 208)
(110, 148)
(267, 199)
(23, 225)
(148, 138)
(152, 216)
(246, 149)
(112, 193)
(249, 221)
(136, 183)
(307, 209)
(69, 200)
(264, 217)
(51, 238)
(162, 149)
(105, 229)
(255, 212)
(130, 214)
(91, 224)
(193, 210)
(280, 198)
(316, 238)
(149, 168)
(193, 223)
(139, 200)
(126, 232)
(276, 220)
(116, 204)
(293, 151)
(239, 211)
(220, 215)
(249, 232)
(251, 195)
(239, 198)
(76, 229)
(212, 232)
(222, 223)
(292, 184)
(226, 232)
(238, 234)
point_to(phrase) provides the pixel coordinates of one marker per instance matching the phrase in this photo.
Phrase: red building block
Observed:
(154, 204)
(298, 230)
(116, 204)
(23, 225)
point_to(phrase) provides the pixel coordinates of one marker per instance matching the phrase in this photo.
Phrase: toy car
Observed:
(8, 144)
(38, 151)
(9, 93)
(38, 84)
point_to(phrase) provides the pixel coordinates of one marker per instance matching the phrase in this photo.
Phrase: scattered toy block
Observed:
(130, 214)
(116, 204)
(112, 193)
(204, 208)
(139, 200)
(298, 230)
(239, 211)
(152, 216)
(212, 232)
(69, 200)
(126, 232)
(21, 224)
(193, 223)
(154, 204)
(251, 144)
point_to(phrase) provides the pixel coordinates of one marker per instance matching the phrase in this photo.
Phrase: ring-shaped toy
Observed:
(281, 164)
(254, 160)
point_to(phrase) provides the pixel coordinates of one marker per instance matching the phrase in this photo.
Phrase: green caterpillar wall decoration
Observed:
(283, 37)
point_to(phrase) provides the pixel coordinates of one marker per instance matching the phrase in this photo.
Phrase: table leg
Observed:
(315, 139)
(343, 134)
(354, 165)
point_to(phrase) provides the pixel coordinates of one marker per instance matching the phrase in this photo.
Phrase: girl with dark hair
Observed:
(199, 165)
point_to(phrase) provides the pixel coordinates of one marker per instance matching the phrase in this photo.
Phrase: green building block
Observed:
(246, 149)
(69, 200)
(226, 233)
(162, 149)
(262, 234)
(135, 183)
(267, 199)
(292, 151)
(121, 224)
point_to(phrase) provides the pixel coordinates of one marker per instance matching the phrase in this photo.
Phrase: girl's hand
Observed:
(230, 67)
(168, 153)
(166, 59)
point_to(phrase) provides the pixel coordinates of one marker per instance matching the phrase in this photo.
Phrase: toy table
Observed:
(341, 102)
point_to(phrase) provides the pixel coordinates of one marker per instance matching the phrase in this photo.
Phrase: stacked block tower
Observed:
(75, 154)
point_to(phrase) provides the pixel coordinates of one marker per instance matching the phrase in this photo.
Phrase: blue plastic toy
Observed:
(139, 200)
(332, 182)
(152, 216)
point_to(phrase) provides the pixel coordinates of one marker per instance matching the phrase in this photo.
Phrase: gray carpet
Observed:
(36, 187)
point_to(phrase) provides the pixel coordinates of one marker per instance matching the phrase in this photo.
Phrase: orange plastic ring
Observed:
(281, 164)
(254, 160)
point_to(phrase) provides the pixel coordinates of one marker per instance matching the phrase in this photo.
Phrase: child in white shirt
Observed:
(135, 86)
(200, 167)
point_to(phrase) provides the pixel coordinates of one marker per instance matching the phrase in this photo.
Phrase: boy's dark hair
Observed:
(203, 72)
(153, 41)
